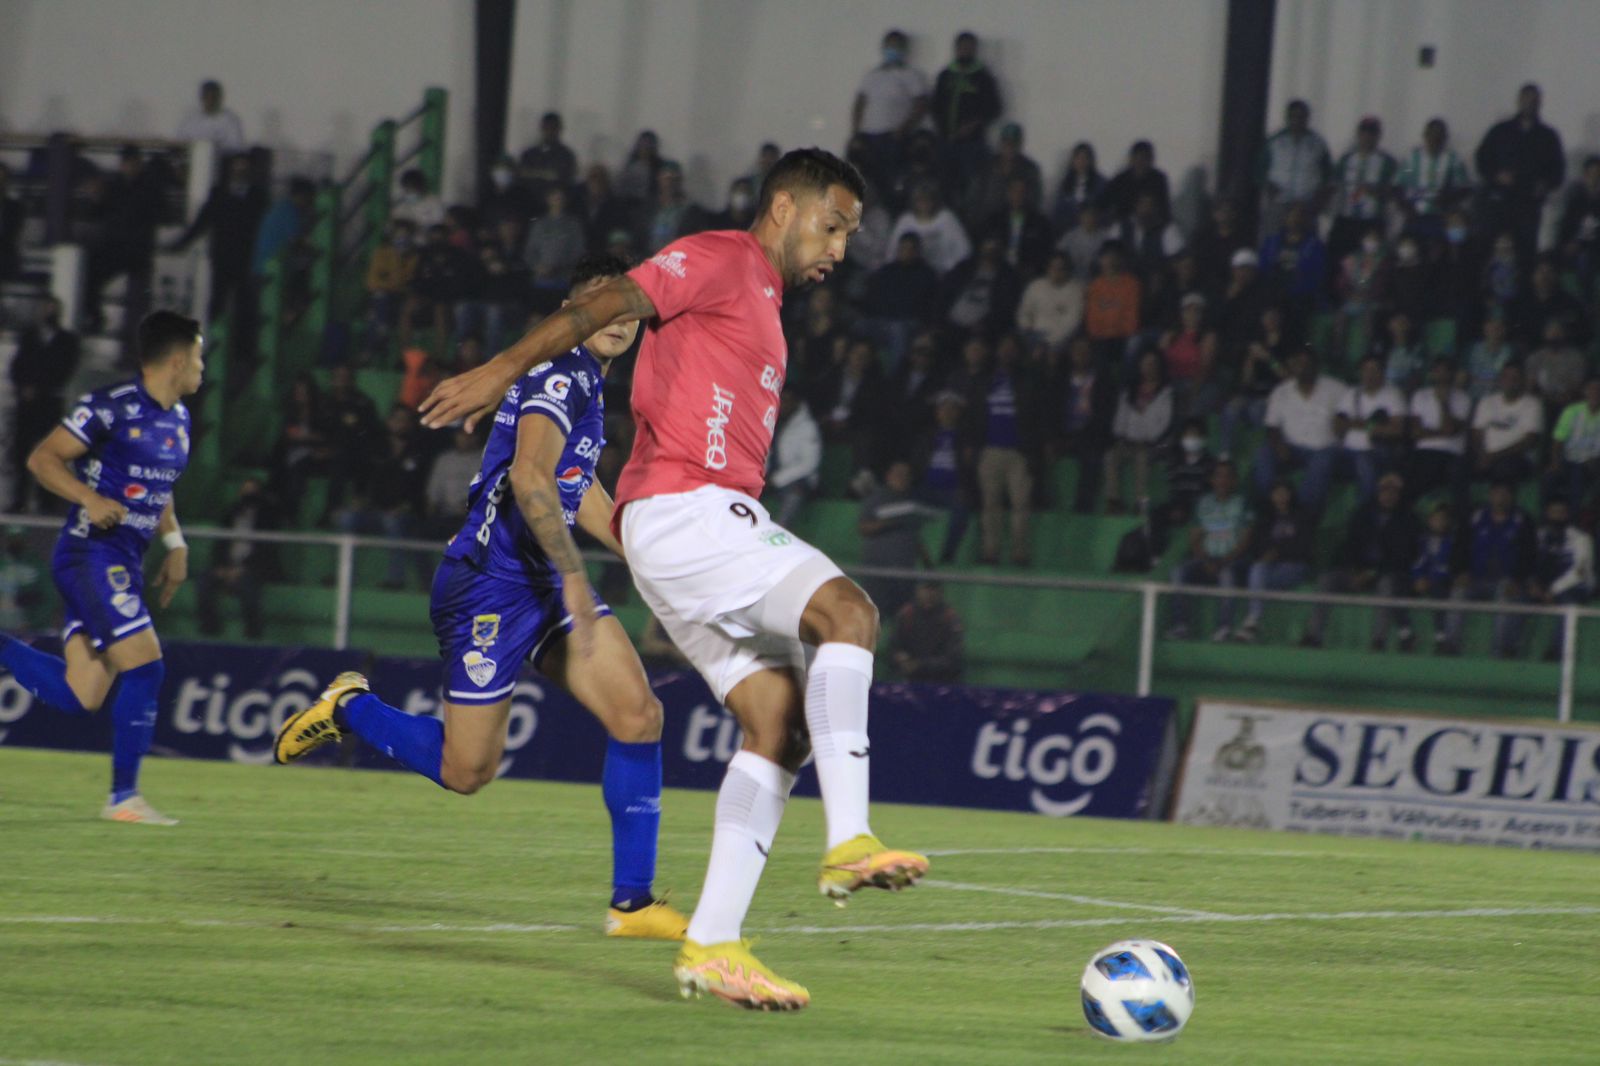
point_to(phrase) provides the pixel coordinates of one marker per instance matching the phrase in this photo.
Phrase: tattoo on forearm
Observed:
(541, 508)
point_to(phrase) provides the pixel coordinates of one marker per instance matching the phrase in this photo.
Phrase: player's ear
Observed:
(566, 301)
(783, 207)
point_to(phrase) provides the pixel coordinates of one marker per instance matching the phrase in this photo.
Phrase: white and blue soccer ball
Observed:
(1137, 990)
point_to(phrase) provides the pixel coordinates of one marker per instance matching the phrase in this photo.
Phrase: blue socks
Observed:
(43, 675)
(631, 783)
(133, 723)
(414, 741)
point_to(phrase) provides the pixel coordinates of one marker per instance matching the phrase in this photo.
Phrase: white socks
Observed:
(749, 807)
(836, 713)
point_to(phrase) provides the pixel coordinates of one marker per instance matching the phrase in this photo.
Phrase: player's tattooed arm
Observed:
(50, 463)
(533, 483)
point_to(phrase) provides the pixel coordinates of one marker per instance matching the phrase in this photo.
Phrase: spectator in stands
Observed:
(1432, 179)
(913, 386)
(1362, 286)
(890, 525)
(1281, 544)
(389, 272)
(1295, 263)
(1085, 240)
(1244, 299)
(966, 99)
(1500, 558)
(601, 212)
(549, 164)
(948, 461)
(1140, 427)
(302, 448)
(555, 242)
(351, 435)
(1545, 301)
(891, 102)
(816, 348)
(285, 224)
(231, 215)
(1361, 184)
(1150, 237)
(417, 202)
(1375, 559)
(1401, 352)
(1189, 468)
(740, 210)
(1264, 368)
(982, 292)
(503, 294)
(1523, 160)
(45, 360)
(1052, 305)
(853, 392)
(1140, 178)
(902, 297)
(1021, 228)
(213, 122)
(1190, 351)
(990, 193)
(1218, 240)
(1488, 356)
(22, 582)
(672, 214)
(1575, 455)
(1563, 568)
(239, 567)
(1111, 310)
(1413, 281)
(1005, 398)
(944, 241)
(923, 166)
(1556, 370)
(1501, 284)
(929, 642)
(1086, 398)
(1082, 184)
(1294, 166)
(135, 200)
(444, 500)
(1456, 264)
(1507, 428)
(796, 457)
(1577, 235)
(1370, 423)
(637, 182)
(1440, 415)
(1300, 431)
(11, 217)
(1439, 565)
(508, 199)
(1219, 544)
(391, 500)
(444, 274)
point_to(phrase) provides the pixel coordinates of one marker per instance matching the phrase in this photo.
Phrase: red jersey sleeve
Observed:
(686, 275)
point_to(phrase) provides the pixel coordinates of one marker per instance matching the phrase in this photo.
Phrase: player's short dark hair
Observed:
(162, 332)
(810, 170)
(597, 265)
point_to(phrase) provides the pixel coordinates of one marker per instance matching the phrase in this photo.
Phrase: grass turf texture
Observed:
(286, 921)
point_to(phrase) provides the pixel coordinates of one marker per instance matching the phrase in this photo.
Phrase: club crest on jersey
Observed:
(134, 433)
(134, 491)
(570, 478)
(126, 604)
(480, 669)
(118, 578)
(485, 630)
(556, 386)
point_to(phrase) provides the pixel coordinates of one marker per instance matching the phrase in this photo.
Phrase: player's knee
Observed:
(640, 723)
(856, 621)
(468, 778)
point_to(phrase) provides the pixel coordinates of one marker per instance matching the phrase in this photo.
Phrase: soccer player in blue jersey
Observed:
(115, 458)
(512, 586)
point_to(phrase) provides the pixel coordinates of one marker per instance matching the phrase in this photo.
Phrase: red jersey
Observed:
(705, 391)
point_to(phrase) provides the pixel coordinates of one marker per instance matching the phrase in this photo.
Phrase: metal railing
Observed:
(1148, 594)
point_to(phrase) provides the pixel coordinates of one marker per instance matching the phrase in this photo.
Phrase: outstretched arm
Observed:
(478, 391)
(594, 518)
(533, 483)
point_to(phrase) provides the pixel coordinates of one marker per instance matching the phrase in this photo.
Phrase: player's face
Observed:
(191, 369)
(613, 340)
(819, 228)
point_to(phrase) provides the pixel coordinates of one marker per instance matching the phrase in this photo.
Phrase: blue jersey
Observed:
(137, 452)
(566, 390)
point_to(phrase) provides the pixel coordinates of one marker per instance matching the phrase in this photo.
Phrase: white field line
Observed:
(1200, 918)
(1029, 893)
(1221, 853)
(37, 1062)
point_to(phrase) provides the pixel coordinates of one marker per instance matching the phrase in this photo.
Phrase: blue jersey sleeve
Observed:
(557, 390)
(91, 419)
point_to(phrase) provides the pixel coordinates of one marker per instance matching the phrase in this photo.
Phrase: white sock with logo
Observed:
(749, 807)
(837, 687)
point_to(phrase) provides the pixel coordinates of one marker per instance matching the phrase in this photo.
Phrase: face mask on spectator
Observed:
(1193, 445)
(1455, 234)
(739, 201)
(501, 176)
(891, 54)
(1370, 245)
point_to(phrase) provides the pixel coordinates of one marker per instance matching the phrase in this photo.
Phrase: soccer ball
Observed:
(1137, 990)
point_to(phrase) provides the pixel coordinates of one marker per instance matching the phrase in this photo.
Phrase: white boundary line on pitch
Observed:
(1255, 853)
(1093, 901)
(37, 1062)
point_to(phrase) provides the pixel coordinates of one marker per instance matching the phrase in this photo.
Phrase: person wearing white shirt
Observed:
(891, 102)
(1563, 566)
(416, 203)
(1440, 415)
(1506, 429)
(1052, 305)
(796, 457)
(1370, 422)
(213, 122)
(1300, 431)
(944, 241)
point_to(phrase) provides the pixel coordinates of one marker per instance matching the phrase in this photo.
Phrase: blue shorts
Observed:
(488, 625)
(103, 593)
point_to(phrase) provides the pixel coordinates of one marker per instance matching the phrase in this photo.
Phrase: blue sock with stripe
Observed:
(414, 741)
(43, 675)
(631, 784)
(133, 723)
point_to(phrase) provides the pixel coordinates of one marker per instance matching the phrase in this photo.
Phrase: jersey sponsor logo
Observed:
(118, 578)
(672, 263)
(556, 386)
(491, 510)
(769, 292)
(80, 417)
(588, 448)
(480, 668)
(716, 427)
(134, 491)
(772, 380)
(152, 473)
(485, 630)
(570, 478)
(126, 604)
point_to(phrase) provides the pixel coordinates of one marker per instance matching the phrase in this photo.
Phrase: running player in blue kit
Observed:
(115, 458)
(512, 587)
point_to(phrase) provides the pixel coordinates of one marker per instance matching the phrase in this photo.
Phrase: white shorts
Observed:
(728, 584)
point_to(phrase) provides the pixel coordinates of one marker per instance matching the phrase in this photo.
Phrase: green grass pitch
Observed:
(329, 916)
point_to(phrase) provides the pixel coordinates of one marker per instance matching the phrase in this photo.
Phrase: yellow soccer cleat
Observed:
(864, 862)
(313, 727)
(731, 973)
(134, 811)
(657, 921)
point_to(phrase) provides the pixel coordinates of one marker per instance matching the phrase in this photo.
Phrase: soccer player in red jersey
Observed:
(745, 600)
